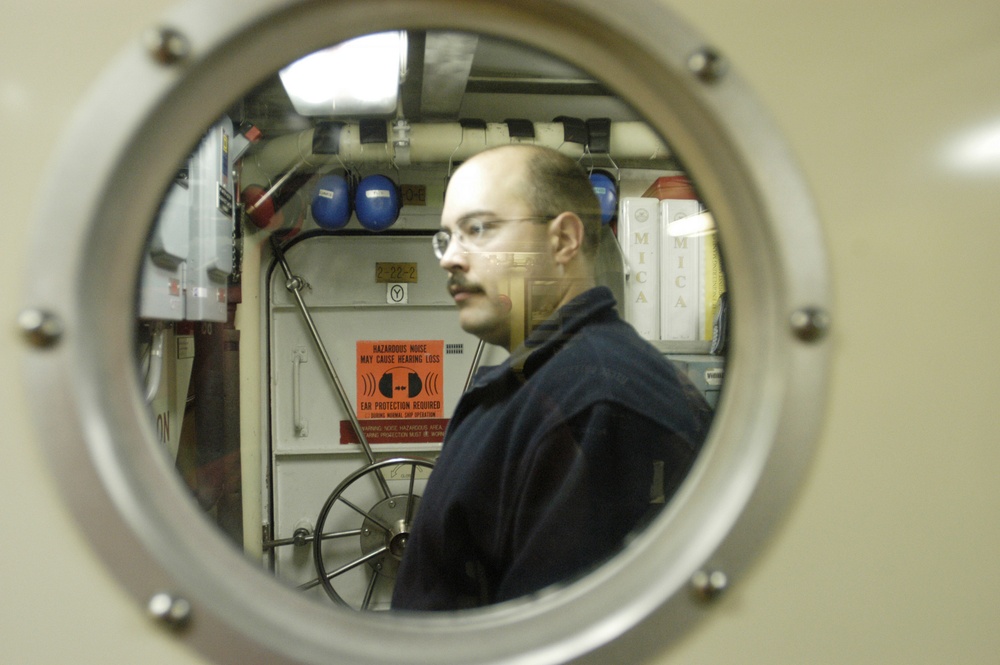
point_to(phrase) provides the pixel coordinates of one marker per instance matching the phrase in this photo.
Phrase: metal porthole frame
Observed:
(119, 153)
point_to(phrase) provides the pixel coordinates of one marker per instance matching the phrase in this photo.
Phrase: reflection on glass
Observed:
(303, 355)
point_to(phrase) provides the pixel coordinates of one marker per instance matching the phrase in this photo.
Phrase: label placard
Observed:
(414, 195)
(383, 431)
(386, 273)
(400, 379)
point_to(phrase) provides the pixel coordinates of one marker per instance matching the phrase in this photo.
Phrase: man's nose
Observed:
(454, 257)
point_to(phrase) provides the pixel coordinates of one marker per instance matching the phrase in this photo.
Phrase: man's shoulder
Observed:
(609, 360)
(615, 341)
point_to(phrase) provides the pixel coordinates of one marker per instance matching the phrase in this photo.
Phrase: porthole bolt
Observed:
(173, 611)
(40, 328)
(166, 45)
(709, 584)
(708, 64)
(809, 324)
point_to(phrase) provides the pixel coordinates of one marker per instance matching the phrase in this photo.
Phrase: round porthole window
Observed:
(233, 320)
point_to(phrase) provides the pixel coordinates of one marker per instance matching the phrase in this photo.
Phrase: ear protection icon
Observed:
(400, 380)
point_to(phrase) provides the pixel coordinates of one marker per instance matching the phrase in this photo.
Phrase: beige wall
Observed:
(889, 554)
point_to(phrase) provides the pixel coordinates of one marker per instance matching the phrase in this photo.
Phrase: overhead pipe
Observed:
(440, 143)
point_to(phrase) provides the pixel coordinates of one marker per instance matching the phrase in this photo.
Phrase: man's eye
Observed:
(475, 229)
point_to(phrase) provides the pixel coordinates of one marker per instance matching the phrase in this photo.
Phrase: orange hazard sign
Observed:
(400, 379)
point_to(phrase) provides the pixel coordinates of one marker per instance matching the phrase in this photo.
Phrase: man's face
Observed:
(490, 256)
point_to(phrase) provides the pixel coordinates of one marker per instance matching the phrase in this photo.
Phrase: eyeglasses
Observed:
(472, 232)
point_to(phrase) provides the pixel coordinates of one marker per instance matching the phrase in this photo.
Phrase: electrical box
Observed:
(163, 267)
(189, 258)
(211, 258)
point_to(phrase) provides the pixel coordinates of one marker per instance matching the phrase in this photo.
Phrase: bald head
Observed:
(517, 218)
(547, 182)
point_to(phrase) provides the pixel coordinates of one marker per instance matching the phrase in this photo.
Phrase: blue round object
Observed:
(607, 194)
(331, 206)
(376, 202)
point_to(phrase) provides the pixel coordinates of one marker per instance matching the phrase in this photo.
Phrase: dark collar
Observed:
(551, 335)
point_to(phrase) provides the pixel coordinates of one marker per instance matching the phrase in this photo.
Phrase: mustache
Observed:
(459, 283)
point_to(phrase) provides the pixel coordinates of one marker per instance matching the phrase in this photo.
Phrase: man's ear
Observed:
(566, 237)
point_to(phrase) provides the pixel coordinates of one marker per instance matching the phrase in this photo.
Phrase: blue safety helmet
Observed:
(331, 205)
(377, 202)
(606, 190)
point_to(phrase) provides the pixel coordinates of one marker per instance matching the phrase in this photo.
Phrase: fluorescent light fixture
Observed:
(692, 225)
(357, 77)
